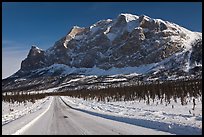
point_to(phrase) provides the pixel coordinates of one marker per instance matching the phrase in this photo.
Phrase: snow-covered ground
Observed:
(177, 120)
(172, 118)
(15, 116)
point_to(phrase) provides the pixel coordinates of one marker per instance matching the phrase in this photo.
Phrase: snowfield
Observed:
(15, 116)
(53, 115)
(177, 120)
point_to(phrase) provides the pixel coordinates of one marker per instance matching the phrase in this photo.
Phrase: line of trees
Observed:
(22, 97)
(162, 91)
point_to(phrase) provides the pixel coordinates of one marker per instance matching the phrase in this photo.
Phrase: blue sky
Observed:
(43, 23)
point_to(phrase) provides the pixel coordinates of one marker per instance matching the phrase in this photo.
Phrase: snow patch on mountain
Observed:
(129, 17)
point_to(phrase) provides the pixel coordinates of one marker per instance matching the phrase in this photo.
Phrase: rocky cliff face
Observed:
(34, 60)
(127, 41)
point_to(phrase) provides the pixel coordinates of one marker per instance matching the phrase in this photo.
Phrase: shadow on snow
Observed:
(160, 126)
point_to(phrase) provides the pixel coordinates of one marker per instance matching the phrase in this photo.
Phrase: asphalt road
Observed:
(60, 119)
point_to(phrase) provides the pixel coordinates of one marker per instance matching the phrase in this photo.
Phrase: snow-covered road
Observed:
(60, 119)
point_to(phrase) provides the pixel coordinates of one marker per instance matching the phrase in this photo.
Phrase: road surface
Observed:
(60, 119)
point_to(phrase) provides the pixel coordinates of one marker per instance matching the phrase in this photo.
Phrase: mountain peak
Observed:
(34, 47)
(75, 30)
(128, 17)
(34, 50)
(34, 59)
(145, 17)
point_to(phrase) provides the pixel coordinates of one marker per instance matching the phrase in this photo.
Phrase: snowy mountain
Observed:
(149, 48)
